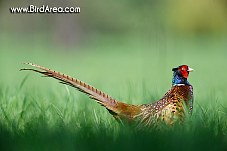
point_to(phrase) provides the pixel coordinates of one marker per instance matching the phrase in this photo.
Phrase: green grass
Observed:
(31, 121)
(39, 114)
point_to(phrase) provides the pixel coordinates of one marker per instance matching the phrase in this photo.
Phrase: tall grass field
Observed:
(38, 113)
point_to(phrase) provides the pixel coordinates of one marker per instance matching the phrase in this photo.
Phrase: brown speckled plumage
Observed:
(170, 108)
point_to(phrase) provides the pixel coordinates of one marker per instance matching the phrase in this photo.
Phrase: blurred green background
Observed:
(119, 42)
(125, 48)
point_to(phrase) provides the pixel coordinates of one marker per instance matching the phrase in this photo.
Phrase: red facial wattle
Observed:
(184, 71)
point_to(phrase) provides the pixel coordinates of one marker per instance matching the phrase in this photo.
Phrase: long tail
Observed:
(102, 98)
(117, 109)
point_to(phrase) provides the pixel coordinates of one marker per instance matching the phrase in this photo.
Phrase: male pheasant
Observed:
(172, 107)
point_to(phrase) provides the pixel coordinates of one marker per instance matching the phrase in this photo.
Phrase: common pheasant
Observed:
(172, 107)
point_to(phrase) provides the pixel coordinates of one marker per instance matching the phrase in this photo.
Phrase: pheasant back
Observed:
(172, 107)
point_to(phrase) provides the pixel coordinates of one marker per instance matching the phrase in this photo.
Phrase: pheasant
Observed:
(172, 107)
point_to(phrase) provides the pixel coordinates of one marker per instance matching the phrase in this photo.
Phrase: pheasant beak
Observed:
(190, 69)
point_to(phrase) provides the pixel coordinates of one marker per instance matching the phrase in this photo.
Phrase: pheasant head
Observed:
(180, 75)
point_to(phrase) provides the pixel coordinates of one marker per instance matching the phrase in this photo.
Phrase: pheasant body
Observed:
(170, 108)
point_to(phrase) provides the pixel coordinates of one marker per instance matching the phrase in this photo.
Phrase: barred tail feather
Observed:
(102, 98)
